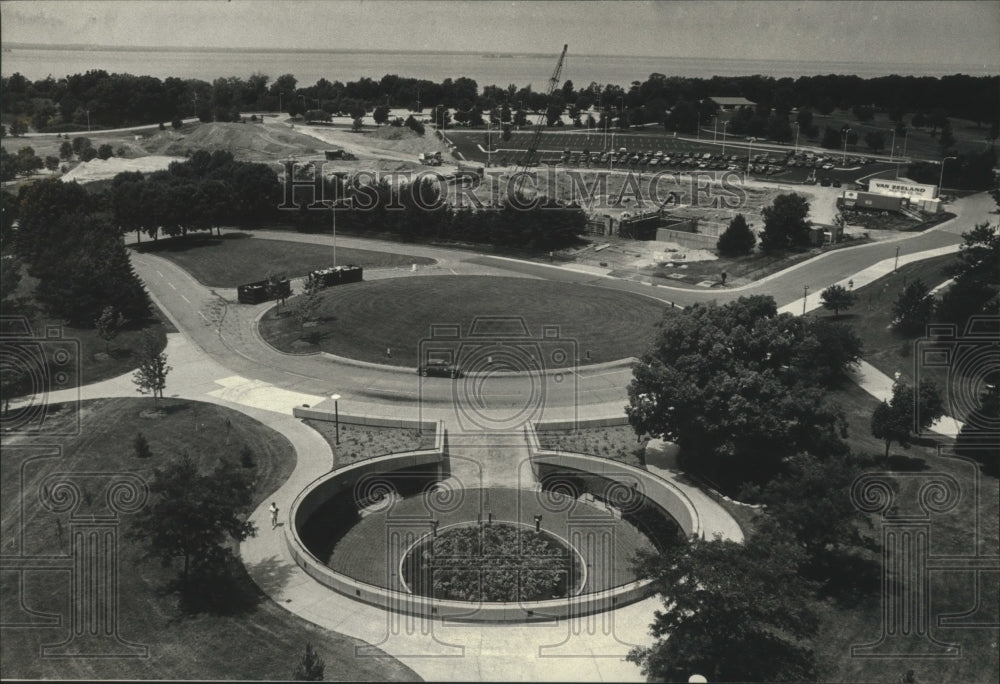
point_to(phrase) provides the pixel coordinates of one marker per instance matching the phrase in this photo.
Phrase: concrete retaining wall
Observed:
(661, 492)
(371, 421)
(340, 481)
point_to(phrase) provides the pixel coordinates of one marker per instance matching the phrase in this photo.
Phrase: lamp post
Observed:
(805, 293)
(892, 147)
(846, 131)
(896, 263)
(336, 414)
(333, 210)
(941, 177)
(724, 124)
(88, 121)
(715, 128)
(797, 137)
(749, 152)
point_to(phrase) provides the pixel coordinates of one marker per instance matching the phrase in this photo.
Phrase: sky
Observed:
(919, 32)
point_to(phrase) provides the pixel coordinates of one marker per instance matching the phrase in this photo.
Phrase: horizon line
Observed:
(182, 48)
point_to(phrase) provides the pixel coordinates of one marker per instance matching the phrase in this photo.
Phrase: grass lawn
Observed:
(919, 142)
(96, 360)
(361, 320)
(884, 347)
(260, 640)
(359, 442)
(238, 258)
(846, 623)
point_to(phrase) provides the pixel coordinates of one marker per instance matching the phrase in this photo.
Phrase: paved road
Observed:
(227, 331)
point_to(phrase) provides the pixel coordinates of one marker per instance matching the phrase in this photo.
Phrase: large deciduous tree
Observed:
(732, 612)
(193, 514)
(738, 388)
(785, 223)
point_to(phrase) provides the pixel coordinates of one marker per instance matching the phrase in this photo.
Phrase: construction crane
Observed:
(536, 137)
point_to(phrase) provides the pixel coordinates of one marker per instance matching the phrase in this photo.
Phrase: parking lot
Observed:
(649, 151)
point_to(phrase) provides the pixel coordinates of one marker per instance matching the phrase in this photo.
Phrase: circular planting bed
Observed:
(365, 320)
(498, 562)
(369, 546)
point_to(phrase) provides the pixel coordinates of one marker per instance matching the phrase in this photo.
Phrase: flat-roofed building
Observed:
(726, 103)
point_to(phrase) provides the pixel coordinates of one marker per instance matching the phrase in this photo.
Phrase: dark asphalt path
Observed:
(227, 331)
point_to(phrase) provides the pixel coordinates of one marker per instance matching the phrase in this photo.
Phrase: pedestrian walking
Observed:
(388, 352)
(274, 514)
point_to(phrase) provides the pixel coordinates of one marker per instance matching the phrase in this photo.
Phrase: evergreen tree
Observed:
(738, 239)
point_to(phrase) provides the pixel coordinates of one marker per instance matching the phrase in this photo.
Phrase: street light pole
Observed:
(333, 211)
(892, 147)
(805, 292)
(336, 415)
(846, 131)
(724, 124)
(941, 177)
(749, 152)
(715, 128)
(896, 263)
(797, 137)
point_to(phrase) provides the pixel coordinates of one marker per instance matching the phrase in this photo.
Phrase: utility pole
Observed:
(805, 293)
(941, 178)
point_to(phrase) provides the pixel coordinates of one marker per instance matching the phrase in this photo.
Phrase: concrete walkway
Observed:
(582, 649)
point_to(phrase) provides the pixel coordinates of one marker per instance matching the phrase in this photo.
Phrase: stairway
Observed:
(489, 459)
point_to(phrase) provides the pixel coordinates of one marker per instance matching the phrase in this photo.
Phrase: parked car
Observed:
(439, 368)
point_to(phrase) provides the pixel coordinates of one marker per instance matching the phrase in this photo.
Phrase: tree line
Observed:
(420, 212)
(75, 252)
(101, 99)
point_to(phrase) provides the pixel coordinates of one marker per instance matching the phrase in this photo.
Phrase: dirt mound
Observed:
(246, 141)
(105, 169)
(403, 140)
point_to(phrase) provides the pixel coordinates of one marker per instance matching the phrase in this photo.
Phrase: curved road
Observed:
(227, 331)
(220, 358)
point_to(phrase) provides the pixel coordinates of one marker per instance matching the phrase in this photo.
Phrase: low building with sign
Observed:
(902, 187)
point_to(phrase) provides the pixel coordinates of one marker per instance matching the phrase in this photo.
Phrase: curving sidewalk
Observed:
(582, 649)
